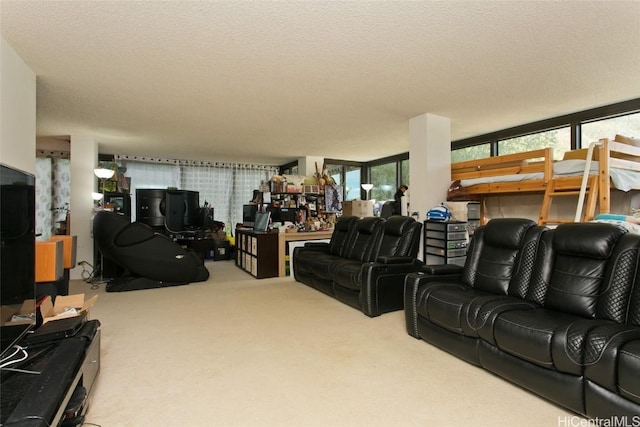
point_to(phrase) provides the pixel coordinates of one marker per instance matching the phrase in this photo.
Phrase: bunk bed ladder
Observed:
(558, 187)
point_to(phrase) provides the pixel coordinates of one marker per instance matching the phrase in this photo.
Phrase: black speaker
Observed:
(206, 218)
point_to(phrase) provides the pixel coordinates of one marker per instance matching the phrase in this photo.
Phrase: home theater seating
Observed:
(364, 264)
(556, 311)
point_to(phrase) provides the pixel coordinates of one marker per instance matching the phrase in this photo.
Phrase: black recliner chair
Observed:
(150, 260)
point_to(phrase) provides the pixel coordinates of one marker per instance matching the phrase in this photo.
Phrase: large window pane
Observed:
(404, 173)
(471, 153)
(383, 178)
(628, 125)
(352, 183)
(335, 172)
(558, 139)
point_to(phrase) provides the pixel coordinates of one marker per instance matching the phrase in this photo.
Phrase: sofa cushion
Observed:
(603, 344)
(528, 334)
(401, 237)
(364, 241)
(581, 254)
(348, 274)
(341, 235)
(507, 233)
(493, 252)
(629, 371)
(322, 265)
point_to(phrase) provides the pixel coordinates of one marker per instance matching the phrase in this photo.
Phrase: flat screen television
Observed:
(17, 255)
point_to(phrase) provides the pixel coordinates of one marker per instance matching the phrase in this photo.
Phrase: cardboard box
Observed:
(359, 208)
(8, 311)
(59, 310)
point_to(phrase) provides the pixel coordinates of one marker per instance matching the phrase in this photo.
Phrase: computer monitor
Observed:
(249, 215)
(262, 221)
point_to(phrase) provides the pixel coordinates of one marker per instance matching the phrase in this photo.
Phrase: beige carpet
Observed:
(237, 351)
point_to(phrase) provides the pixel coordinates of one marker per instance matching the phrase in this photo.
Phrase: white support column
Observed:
(429, 162)
(84, 158)
(307, 165)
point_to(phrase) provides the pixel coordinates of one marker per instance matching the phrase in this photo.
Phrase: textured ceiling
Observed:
(273, 81)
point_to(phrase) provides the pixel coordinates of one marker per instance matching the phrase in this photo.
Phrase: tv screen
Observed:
(17, 255)
(120, 203)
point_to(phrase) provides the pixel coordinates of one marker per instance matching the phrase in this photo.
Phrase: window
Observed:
(562, 132)
(289, 169)
(383, 178)
(404, 173)
(352, 181)
(347, 175)
(559, 139)
(471, 153)
(628, 125)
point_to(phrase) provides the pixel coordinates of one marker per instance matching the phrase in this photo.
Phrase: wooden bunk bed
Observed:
(588, 174)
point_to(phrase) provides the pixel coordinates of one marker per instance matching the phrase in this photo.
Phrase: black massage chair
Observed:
(150, 259)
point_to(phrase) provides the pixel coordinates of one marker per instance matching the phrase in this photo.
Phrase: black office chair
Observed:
(388, 209)
(150, 260)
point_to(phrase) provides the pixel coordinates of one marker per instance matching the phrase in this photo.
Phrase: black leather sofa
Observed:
(150, 260)
(554, 311)
(364, 264)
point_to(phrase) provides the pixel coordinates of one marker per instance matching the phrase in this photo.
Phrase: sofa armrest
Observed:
(395, 260)
(601, 349)
(317, 246)
(413, 282)
(382, 284)
(439, 270)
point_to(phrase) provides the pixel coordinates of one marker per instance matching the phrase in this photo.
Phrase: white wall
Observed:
(17, 111)
(84, 158)
(307, 165)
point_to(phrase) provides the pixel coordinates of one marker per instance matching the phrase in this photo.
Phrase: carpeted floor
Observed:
(237, 351)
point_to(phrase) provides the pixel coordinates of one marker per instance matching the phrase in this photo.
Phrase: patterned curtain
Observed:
(53, 194)
(246, 179)
(61, 189)
(223, 186)
(150, 175)
(44, 185)
(214, 185)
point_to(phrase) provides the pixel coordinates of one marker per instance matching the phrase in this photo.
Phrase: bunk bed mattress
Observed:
(622, 179)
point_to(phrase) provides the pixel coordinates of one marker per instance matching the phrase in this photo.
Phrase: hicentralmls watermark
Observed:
(622, 421)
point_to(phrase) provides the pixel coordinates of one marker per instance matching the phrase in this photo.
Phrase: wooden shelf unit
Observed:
(257, 252)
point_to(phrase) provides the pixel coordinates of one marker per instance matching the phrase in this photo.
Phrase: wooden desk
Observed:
(283, 238)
